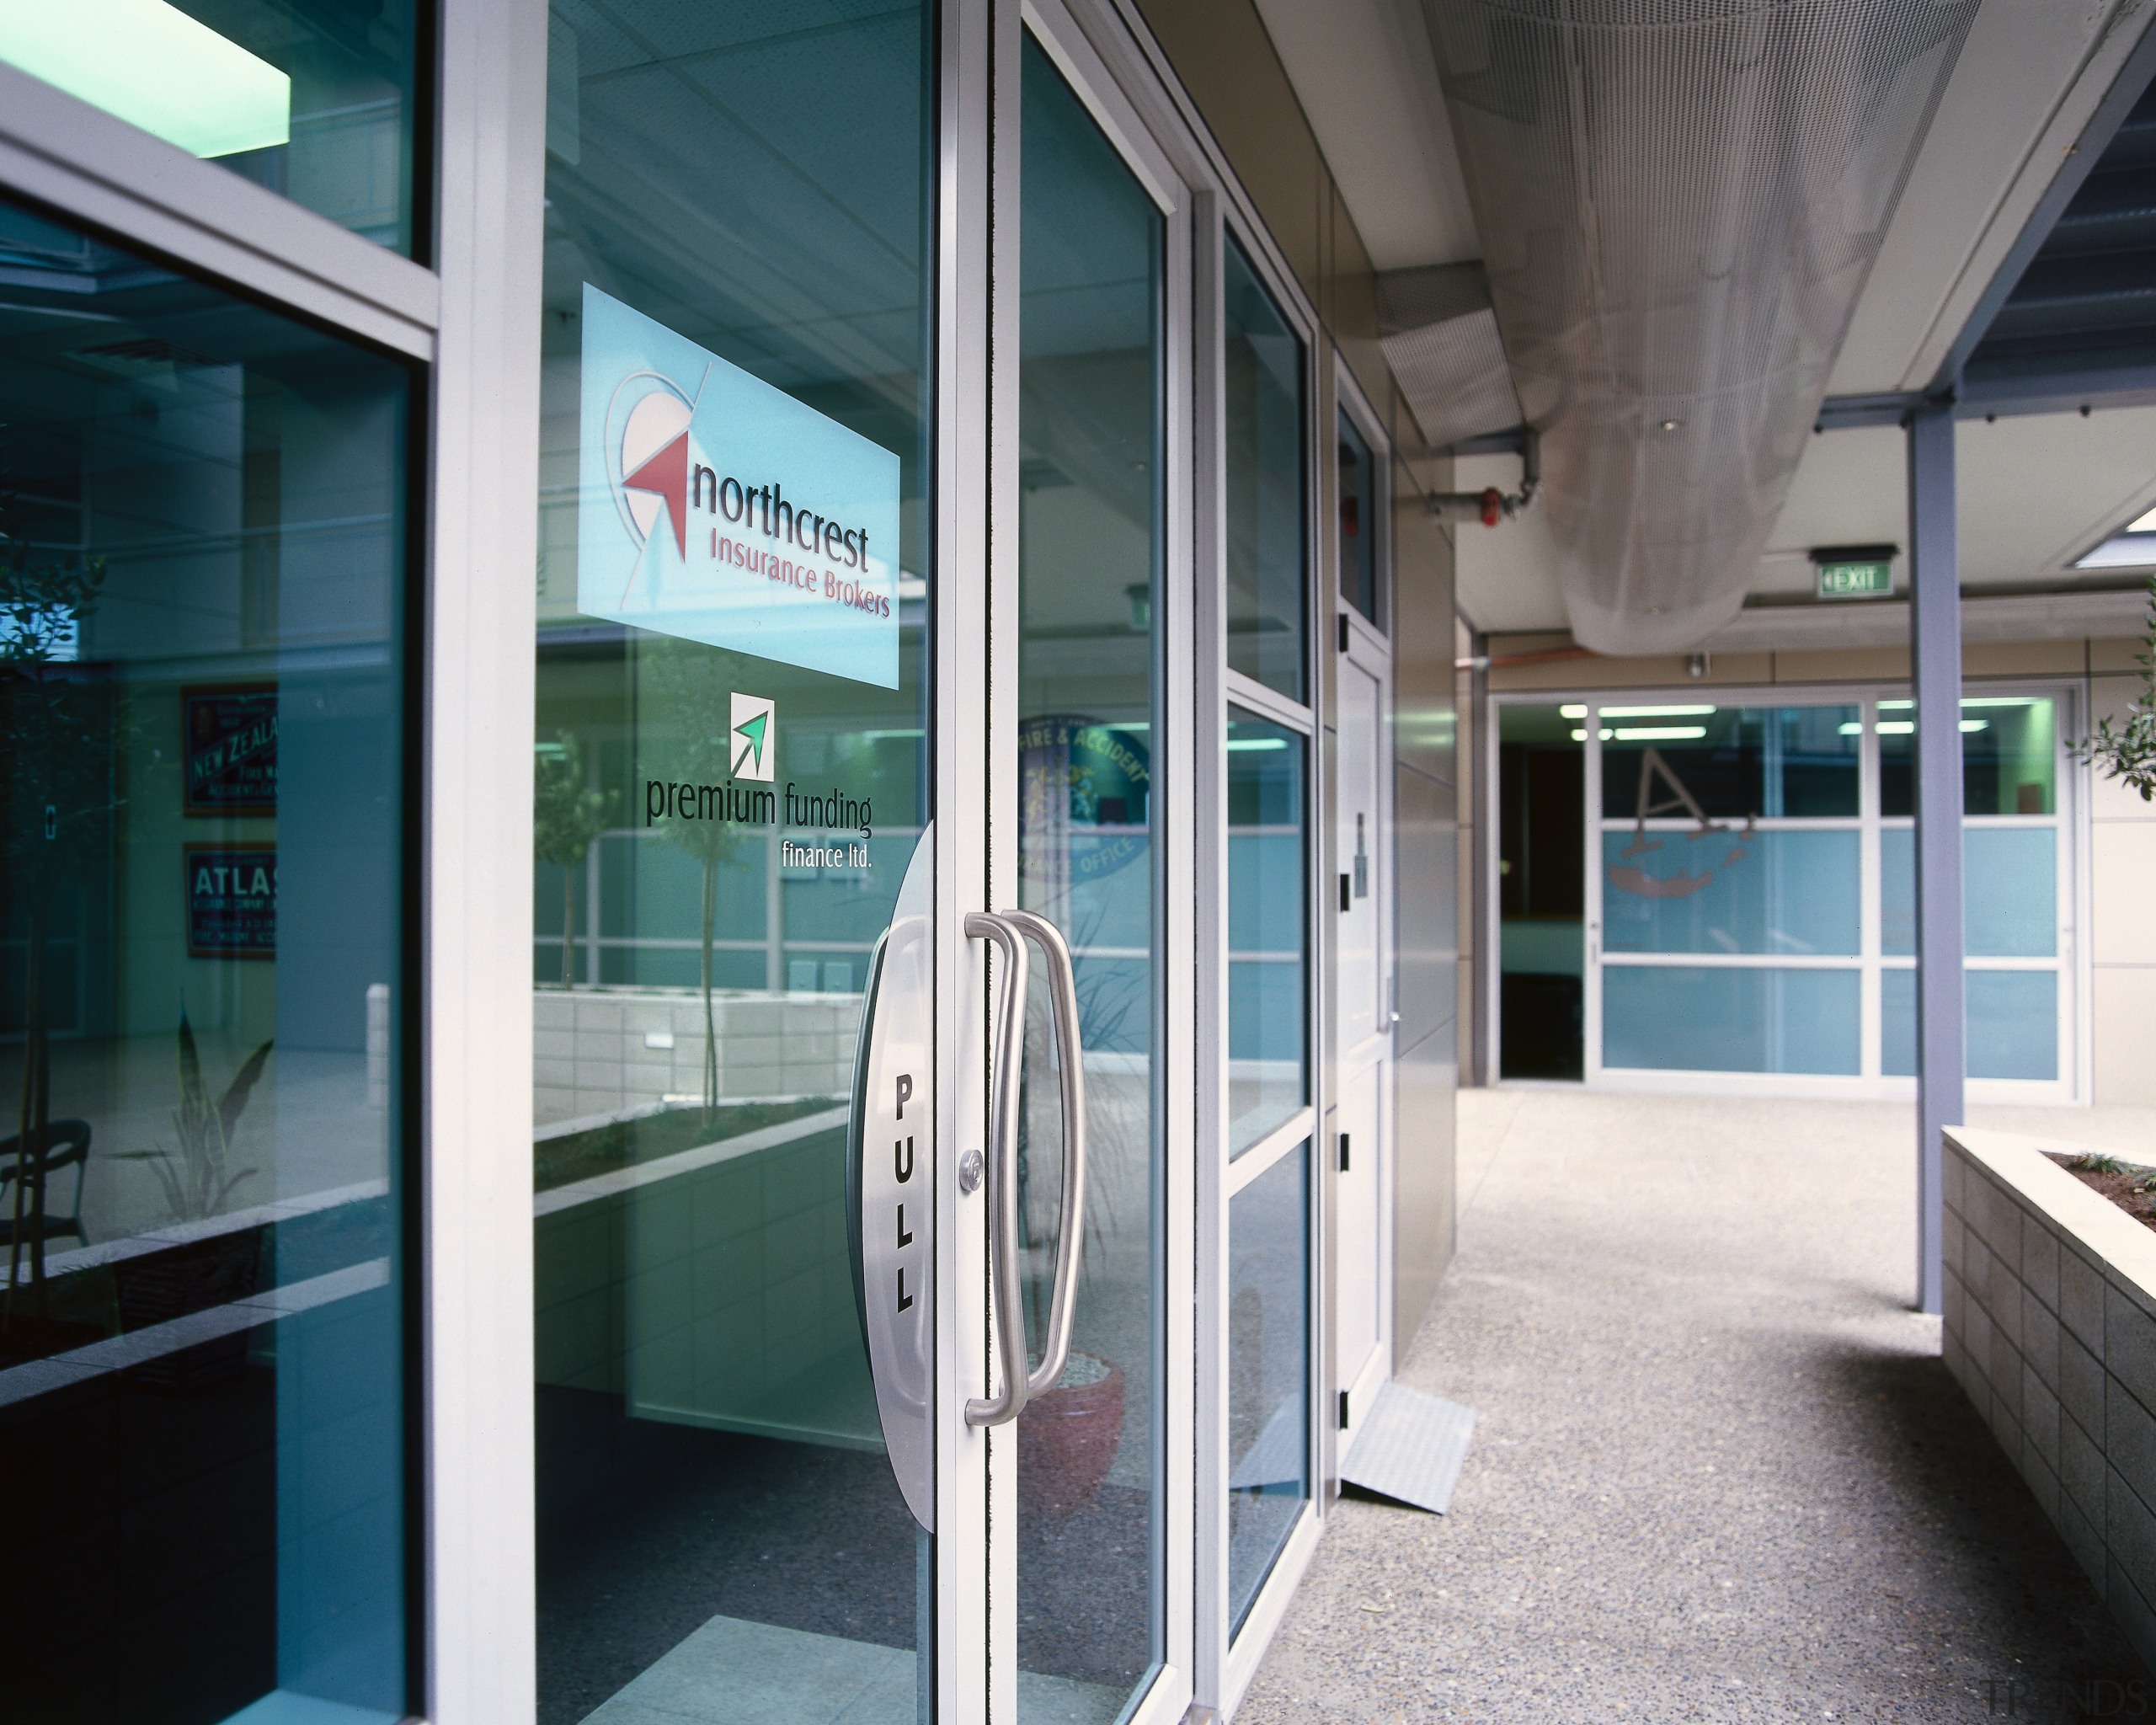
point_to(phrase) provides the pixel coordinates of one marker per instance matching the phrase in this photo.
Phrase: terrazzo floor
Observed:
(1719, 1472)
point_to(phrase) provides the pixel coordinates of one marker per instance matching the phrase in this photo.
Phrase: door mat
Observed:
(1411, 1448)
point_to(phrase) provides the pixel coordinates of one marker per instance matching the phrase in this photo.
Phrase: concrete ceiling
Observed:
(2036, 491)
(1364, 73)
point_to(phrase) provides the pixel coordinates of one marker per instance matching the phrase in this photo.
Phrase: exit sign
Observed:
(1855, 572)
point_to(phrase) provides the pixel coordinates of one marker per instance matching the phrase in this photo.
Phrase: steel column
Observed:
(1935, 662)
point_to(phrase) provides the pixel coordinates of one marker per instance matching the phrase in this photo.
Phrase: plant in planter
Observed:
(2125, 748)
(197, 1178)
(1068, 1437)
(198, 1181)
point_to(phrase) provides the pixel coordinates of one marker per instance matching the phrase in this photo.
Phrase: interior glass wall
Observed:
(1757, 885)
(311, 99)
(731, 775)
(1541, 892)
(203, 924)
(1091, 1452)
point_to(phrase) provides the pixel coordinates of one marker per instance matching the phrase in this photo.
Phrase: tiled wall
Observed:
(2053, 1338)
(597, 1050)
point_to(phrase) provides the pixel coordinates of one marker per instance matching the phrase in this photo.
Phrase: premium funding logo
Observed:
(755, 738)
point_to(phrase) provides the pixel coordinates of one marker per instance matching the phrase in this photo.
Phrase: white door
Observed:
(1362, 848)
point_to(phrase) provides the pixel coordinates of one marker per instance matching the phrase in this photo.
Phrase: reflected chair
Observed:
(64, 1141)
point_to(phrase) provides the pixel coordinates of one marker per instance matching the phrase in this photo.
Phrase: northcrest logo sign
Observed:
(755, 738)
(714, 507)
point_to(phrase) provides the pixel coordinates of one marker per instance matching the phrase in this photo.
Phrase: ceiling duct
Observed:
(1680, 201)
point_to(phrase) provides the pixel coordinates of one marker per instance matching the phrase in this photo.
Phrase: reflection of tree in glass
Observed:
(691, 700)
(568, 816)
(57, 797)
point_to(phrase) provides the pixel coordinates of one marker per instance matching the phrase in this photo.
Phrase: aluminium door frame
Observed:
(471, 505)
(1095, 57)
(2072, 1085)
(1374, 641)
(1227, 1658)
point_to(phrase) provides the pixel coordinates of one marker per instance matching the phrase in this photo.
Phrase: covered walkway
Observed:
(1720, 1472)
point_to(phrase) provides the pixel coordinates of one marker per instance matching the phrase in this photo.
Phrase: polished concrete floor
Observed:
(1719, 1471)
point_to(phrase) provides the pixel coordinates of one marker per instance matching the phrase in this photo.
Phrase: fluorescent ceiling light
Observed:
(152, 65)
(1236, 744)
(1976, 724)
(1659, 733)
(1574, 711)
(2002, 701)
(1897, 727)
(1654, 713)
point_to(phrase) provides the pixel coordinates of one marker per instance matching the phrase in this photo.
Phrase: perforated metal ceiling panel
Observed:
(1680, 200)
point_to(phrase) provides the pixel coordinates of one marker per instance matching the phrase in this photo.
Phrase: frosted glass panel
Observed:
(2013, 1024)
(2012, 1018)
(1694, 1018)
(2009, 884)
(1774, 892)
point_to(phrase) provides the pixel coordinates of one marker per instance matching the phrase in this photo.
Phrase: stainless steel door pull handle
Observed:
(1008, 931)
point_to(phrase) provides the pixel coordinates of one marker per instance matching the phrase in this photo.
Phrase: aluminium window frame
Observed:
(467, 1035)
(2071, 964)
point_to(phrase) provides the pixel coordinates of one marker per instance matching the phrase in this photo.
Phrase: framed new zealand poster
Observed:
(230, 745)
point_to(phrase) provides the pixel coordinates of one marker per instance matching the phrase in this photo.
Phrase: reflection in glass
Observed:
(1357, 522)
(202, 799)
(1701, 1019)
(1262, 457)
(2010, 755)
(716, 1517)
(1268, 1371)
(1677, 890)
(1267, 1062)
(1089, 1451)
(1689, 758)
(311, 99)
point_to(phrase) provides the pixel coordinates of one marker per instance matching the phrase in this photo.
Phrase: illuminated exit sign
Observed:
(1854, 571)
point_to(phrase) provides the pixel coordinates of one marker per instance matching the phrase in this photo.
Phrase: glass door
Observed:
(1093, 1495)
(731, 956)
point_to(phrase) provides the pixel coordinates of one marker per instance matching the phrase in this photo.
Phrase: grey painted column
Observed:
(1935, 661)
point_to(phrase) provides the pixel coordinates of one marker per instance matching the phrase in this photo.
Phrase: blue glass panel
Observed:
(2010, 883)
(1775, 892)
(1268, 1371)
(1898, 1023)
(1702, 1019)
(2013, 1018)
(1266, 889)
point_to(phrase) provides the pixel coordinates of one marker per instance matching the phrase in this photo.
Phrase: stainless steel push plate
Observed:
(892, 1183)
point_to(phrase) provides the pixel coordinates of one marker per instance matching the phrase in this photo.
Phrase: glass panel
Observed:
(1358, 521)
(731, 780)
(1267, 1038)
(1262, 457)
(2010, 755)
(202, 534)
(1725, 891)
(2013, 1024)
(1702, 1019)
(1689, 758)
(313, 99)
(1541, 891)
(1089, 1449)
(1268, 1371)
(2009, 885)
(1898, 1023)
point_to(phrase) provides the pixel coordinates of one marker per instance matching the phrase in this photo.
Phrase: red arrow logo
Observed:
(666, 475)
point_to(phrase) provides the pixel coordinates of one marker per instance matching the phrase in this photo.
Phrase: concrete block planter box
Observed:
(2051, 1329)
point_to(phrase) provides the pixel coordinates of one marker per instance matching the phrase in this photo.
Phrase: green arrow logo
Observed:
(753, 729)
